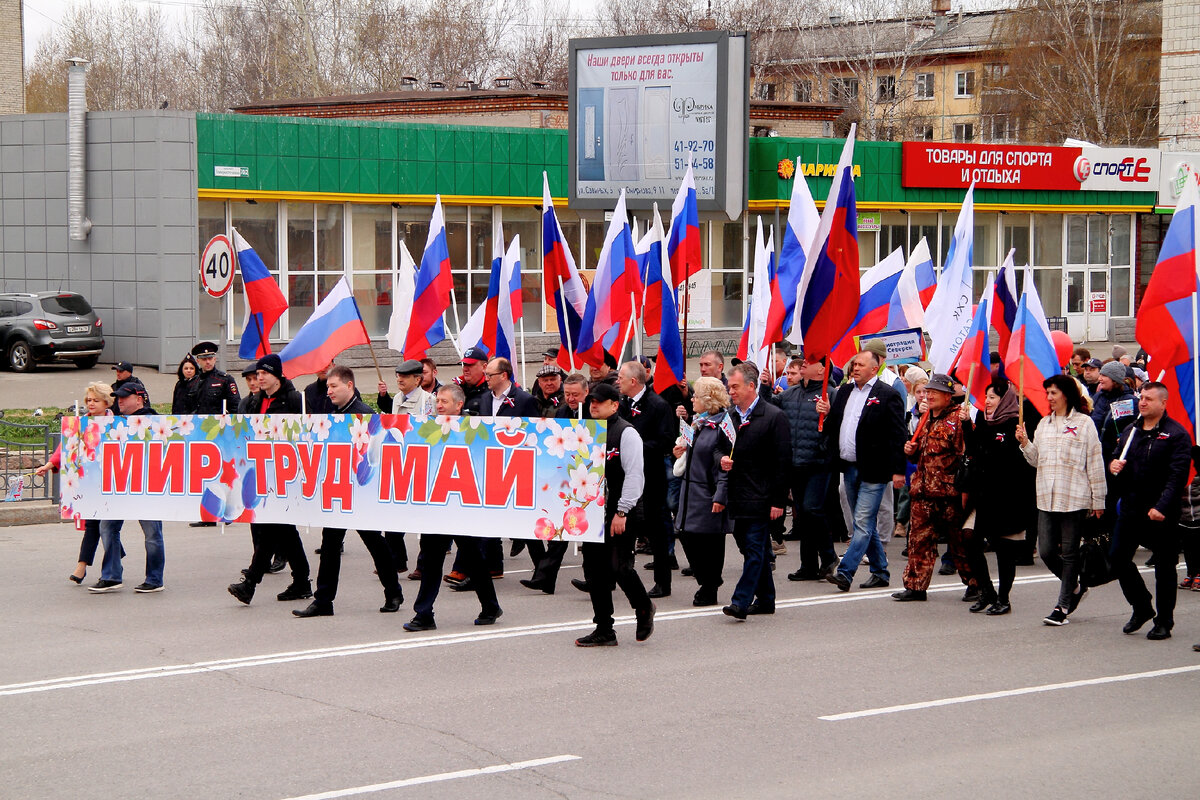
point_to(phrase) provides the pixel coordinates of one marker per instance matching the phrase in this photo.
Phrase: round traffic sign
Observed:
(217, 266)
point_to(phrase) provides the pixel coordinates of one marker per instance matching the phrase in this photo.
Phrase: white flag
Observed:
(404, 286)
(948, 318)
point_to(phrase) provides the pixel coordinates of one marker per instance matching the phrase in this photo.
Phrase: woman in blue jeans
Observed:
(97, 400)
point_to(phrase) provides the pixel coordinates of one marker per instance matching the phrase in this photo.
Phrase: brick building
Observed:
(12, 62)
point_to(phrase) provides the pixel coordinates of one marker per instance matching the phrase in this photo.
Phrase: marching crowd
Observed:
(857, 457)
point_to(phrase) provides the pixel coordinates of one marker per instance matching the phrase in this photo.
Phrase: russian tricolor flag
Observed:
(949, 312)
(683, 240)
(1031, 358)
(650, 253)
(612, 302)
(669, 365)
(431, 295)
(335, 326)
(1166, 319)
(754, 346)
(829, 292)
(1004, 304)
(795, 256)
(265, 304)
(974, 365)
(913, 292)
(875, 297)
(561, 286)
(492, 325)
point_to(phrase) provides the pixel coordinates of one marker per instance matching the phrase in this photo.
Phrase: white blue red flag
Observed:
(265, 304)
(335, 326)
(975, 352)
(492, 325)
(876, 288)
(1005, 301)
(795, 257)
(561, 286)
(616, 288)
(669, 364)
(683, 238)
(1031, 357)
(650, 253)
(431, 295)
(948, 317)
(828, 298)
(914, 291)
(753, 346)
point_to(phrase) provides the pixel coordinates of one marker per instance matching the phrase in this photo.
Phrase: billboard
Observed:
(511, 476)
(1028, 168)
(1177, 168)
(641, 106)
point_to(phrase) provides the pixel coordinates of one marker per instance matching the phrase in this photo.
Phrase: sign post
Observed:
(218, 263)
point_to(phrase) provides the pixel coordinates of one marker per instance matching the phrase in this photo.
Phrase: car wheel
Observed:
(20, 357)
(87, 363)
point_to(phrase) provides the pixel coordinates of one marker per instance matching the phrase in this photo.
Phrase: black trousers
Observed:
(395, 543)
(1162, 539)
(1007, 551)
(611, 562)
(706, 555)
(657, 527)
(547, 565)
(331, 564)
(470, 555)
(490, 549)
(271, 538)
(810, 490)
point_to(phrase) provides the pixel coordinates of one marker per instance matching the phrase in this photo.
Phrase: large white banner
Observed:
(523, 478)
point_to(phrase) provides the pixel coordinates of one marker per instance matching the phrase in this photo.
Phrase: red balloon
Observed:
(1063, 346)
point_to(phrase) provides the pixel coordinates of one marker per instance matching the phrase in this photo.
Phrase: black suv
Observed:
(48, 326)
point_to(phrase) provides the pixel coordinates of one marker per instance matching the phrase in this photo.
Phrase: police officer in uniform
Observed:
(216, 391)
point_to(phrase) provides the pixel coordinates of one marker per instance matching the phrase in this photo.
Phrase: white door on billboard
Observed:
(623, 135)
(656, 132)
(590, 130)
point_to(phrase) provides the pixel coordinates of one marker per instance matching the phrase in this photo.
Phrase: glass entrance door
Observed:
(1097, 305)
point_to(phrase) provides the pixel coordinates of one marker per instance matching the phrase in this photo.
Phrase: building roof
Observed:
(481, 101)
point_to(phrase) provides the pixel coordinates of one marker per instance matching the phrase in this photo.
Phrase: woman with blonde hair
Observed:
(97, 398)
(701, 528)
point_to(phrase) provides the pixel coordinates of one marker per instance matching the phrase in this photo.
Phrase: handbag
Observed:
(1095, 568)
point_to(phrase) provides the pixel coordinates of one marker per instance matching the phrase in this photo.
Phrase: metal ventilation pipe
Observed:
(77, 220)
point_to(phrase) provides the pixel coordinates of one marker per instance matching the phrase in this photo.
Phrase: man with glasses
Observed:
(217, 391)
(503, 398)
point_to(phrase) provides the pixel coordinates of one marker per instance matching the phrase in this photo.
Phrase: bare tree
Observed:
(537, 49)
(1086, 69)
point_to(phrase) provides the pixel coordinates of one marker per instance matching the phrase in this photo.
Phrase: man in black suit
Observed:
(865, 427)
(503, 398)
(343, 399)
(656, 423)
(758, 488)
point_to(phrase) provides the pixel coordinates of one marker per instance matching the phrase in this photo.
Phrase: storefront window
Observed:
(1016, 237)
(1121, 224)
(1087, 239)
(371, 261)
(258, 223)
(924, 225)
(330, 237)
(1047, 240)
(983, 250)
(1119, 296)
(726, 300)
(527, 223)
(1049, 285)
(866, 249)
(893, 233)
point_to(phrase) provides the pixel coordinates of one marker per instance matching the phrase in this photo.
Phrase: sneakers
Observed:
(779, 548)
(296, 591)
(105, 586)
(1188, 583)
(597, 638)
(454, 577)
(1056, 617)
(147, 588)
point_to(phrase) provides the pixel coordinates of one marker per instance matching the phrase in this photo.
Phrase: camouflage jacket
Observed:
(940, 449)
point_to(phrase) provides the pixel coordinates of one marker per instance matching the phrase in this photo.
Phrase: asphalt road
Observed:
(189, 694)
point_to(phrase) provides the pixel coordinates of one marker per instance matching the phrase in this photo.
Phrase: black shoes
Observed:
(597, 638)
(874, 582)
(971, 594)
(828, 569)
(801, 575)
(908, 595)
(760, 608)
(982, 604)
(417, 624)
(277, 565)
(109, 586)
(1137, 621)
(837, 580)
(243, 591)
(1158, 633)
(581, 586)
(946, 569)
(488, 617)
(737, 612)
(645, 623)
(541, 586)
(705, 597)
(998, 608)
(296, 591)
(313, 609)
(202, 524)
(1058, 618)
(391, 604)
(657, 591)
(687, 572)
(147, 588)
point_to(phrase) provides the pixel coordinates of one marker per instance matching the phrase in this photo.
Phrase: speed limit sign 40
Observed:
(217, 266)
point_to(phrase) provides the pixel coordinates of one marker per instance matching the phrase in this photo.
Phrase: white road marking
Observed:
(443, 776)
(1047, 687)
(416, 641)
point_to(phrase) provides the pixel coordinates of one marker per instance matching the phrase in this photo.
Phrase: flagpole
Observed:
(824, 394)
(523, 376)
(970, 379)
(457, 324)
(562, 299)
(687, 302)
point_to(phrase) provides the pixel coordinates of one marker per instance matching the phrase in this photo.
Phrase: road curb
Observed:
(28, 513)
